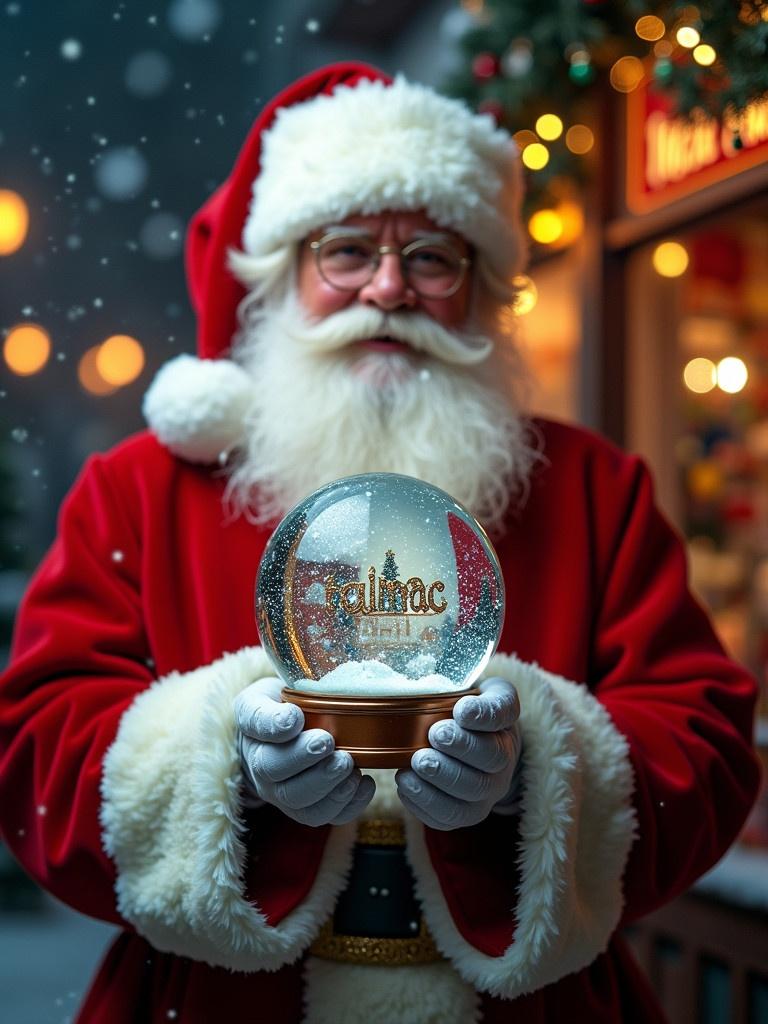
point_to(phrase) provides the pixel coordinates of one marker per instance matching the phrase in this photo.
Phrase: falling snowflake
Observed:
(42, 810)
(71, 49)
(313, 25)
(19, 435)
(118, 556)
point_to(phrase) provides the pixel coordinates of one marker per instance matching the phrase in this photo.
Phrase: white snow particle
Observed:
(19, 435)
(42, 810)
(313, 25)
(98, 303)
(91, 101)
(172, 1015)
(118, 556)
(424, 374)
(21, 833)
(71, 49)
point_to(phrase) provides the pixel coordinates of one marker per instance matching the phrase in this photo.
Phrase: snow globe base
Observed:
(379, 732)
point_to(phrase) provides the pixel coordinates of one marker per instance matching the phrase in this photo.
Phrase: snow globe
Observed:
(379, 600)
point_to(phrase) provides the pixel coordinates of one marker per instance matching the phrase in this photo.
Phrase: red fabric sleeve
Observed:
(684, 706)
(79, 658)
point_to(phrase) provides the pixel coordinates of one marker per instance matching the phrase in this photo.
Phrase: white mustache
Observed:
(358, 323)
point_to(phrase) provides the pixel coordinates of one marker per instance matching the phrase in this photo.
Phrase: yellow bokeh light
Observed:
(700, 376)
(688, 36)
(89, 376)
(120, 359)
(650, 27)
(705, 55)
(670, 259)
(732, 374)
(27, 349)
(572, 219)
(14, 222)
(526, 294)
(549, 127)
(535, 156)
(545, 226)
(579, 139)
(627, 73)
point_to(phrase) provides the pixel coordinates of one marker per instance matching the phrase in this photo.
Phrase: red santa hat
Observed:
(345, 139)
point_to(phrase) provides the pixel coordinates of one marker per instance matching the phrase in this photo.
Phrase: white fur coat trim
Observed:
(374, 147)
(171, 818)
(576, 828)
(197, 407)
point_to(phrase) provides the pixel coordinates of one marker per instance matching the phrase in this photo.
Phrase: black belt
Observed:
(378, 919)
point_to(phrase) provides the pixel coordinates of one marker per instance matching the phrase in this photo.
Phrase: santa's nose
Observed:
(388, 288)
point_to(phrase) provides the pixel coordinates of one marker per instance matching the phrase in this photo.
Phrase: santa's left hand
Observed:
(471, 761)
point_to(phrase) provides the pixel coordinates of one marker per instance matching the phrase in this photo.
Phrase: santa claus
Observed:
(348, 279)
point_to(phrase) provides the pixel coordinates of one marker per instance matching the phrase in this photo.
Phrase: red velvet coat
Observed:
(147, 579)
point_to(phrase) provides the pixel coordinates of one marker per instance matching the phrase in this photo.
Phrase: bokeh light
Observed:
(626, 74)
(649, 27)
(120, 360)
(705, 55)
(688, 36)
(545, 226)
(27, 349)
(670, 259)
(89, 376)
(549, 127)
(526, 294)
(579, 139)
(732, 374)
(700, 375)
(535, 156)
(14, 221)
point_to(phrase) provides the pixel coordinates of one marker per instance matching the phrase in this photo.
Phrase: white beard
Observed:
(324, 408)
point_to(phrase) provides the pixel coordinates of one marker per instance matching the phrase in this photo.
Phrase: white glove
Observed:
(299, 772)
(471, 761)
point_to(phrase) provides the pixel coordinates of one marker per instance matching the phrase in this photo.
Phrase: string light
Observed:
(579, 139)
(650, 28)
(700, 375)
(14, 222)
(670, 259)
(626, 74)
(688, 36)
(732, 374)
(545, 226)
(705, 54)
(535, 156)
(549, 127)
(27, 349)
(663, 48)
(89, 376)
(120, 360)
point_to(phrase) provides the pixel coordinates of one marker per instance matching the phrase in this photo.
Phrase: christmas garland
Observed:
(525, 58)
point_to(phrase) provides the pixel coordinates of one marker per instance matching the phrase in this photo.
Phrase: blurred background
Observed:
(644, 313)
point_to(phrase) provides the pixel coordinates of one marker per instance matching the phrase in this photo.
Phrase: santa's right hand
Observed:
(297, 770)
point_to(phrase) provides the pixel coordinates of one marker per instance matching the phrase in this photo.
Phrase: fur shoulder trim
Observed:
(172, 822)
(196, 407)
(577, 825)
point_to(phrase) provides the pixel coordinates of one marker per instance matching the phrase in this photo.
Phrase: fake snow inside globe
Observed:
(380, 601)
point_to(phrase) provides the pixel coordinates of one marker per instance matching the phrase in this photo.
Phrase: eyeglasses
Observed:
(349, 262)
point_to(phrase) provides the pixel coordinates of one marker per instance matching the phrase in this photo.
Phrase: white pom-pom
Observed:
(196, 407)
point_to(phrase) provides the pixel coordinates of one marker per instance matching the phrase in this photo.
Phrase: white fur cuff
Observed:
(171, 821)
(577, 825)
(196, 407)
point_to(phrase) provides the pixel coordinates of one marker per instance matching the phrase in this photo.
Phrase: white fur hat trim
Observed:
(196, 407)
(374, 147)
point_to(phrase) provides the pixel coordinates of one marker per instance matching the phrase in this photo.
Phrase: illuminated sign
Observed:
(671, 157)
